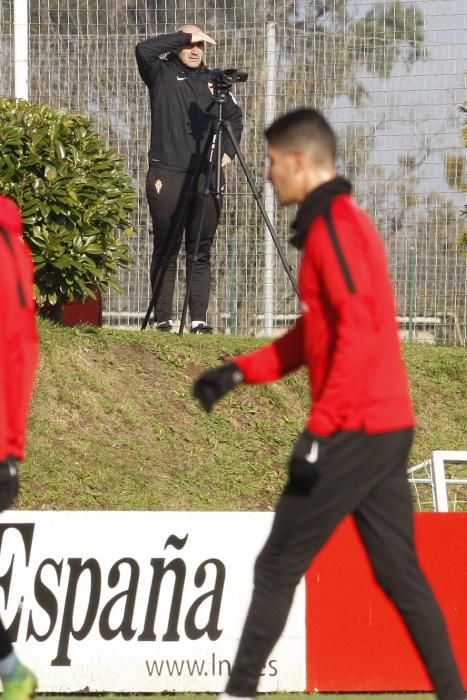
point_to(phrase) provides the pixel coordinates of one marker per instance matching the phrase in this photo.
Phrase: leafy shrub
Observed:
(74, 195)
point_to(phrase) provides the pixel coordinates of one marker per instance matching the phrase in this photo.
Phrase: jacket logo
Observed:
(158, 185)
(179, 77)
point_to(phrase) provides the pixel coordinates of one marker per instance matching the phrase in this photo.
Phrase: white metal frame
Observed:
(438, 479)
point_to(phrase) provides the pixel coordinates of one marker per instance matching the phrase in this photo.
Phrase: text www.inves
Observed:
(199, 667)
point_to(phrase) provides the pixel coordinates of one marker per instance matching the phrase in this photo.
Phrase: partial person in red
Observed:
(18, 363)
(352, 456)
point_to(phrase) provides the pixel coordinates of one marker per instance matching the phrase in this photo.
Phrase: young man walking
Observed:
(351, 458)
(18, 362)
(182, 112)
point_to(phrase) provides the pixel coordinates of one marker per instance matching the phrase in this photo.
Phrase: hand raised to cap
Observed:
(201, 36)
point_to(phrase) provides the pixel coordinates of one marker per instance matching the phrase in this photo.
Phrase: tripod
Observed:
(211, 154)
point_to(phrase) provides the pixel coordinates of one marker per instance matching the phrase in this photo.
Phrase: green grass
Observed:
(114, 426)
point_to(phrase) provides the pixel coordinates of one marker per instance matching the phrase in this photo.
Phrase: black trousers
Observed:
(5, 644)
(166, 191)
(364, 475)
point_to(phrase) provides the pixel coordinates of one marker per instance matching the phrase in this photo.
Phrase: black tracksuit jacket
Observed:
(182, 105)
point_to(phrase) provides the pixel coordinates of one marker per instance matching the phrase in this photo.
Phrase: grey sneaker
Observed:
(202, 328)
(165, 326)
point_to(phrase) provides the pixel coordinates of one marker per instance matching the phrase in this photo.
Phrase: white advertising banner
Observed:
(137, 601)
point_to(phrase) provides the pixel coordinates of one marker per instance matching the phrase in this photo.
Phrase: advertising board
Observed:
(137, 601)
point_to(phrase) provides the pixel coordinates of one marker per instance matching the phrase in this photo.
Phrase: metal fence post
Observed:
(411, 291)
(21, 39)
(269, 114)
(439, 481)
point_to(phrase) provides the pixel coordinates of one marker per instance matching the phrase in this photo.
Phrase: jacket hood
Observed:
(315, 204)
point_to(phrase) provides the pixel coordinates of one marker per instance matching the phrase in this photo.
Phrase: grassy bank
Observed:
(114, 426)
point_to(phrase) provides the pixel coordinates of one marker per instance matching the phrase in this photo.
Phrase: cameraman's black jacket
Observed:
(182, 105)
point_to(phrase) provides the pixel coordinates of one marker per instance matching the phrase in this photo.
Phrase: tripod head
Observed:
(222, 81)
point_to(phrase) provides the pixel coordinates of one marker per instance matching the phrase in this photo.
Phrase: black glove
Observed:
(305, 464)
(9, 482)
(215, 383)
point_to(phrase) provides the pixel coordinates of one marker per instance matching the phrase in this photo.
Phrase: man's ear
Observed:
(300, 160)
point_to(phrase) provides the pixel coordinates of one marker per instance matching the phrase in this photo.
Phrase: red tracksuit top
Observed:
(347, 335)
(18, 336)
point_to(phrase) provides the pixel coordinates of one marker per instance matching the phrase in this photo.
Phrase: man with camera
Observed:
(182, 111)
(351, 457)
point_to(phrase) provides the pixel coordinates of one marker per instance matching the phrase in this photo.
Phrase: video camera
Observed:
(223, 79)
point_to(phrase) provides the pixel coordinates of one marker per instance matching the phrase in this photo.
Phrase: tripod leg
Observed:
(259, 201)
(156, 287)
(212, 146)
(157, 280)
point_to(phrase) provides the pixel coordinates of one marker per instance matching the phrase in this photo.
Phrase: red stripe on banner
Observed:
(356, 640)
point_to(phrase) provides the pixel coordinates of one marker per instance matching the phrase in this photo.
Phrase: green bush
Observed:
(75, 198)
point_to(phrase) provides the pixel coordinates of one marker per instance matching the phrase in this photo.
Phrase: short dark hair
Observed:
(303, 129)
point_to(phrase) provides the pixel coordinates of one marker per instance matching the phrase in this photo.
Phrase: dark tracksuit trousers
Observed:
(364, 475)
(166, 191)
(5, 644)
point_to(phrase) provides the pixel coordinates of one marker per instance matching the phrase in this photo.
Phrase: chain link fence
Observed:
(389, 76)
